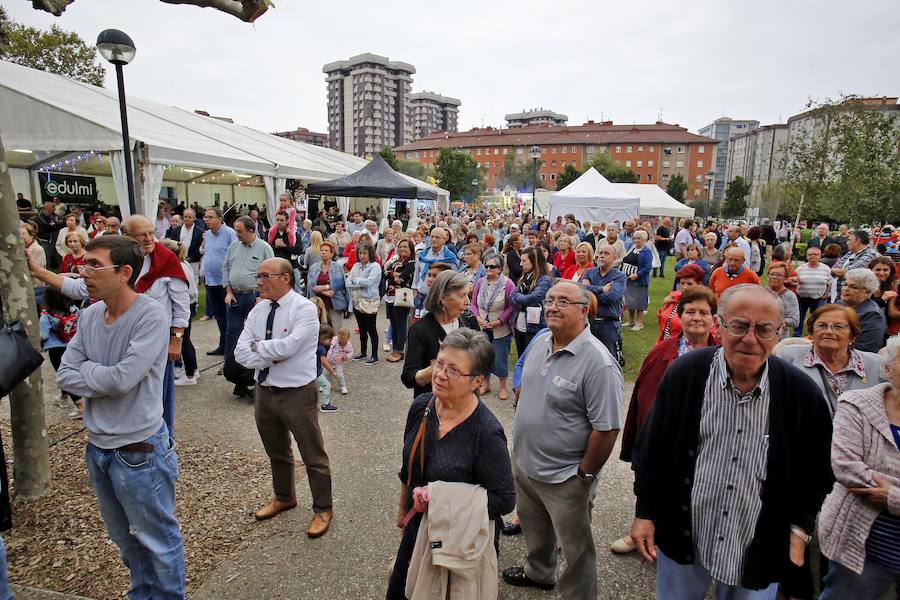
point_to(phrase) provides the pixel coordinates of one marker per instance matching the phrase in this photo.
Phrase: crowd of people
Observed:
(746, 424)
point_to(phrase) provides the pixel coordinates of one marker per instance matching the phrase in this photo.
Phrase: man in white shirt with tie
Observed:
(279, 341)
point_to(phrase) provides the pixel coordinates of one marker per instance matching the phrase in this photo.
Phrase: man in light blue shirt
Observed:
(216, 240)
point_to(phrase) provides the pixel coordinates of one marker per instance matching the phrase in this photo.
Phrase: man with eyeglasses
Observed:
(733, 463)
(279, 341)
(160, 277)
(567, 420)
(116, 364)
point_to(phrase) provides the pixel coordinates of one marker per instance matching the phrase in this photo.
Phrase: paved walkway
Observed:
(364, 442)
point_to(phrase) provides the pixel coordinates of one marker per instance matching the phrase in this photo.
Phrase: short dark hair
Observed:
(368, 247)
(215, 209)
(246, 222)
(123, 250)
(695, 293)
(325, 329)
(862, 235)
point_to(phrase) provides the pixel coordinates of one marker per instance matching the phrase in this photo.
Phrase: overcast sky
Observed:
(690, 61)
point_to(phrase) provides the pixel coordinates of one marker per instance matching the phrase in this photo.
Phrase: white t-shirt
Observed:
(451, 326)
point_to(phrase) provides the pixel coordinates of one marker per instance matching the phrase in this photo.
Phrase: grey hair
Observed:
(491, 254)
(748, 287)
(476, 346)
(888, 355)
(247, 222)
(864, 277)
(641, 233)
(443, 285)
(369, 222)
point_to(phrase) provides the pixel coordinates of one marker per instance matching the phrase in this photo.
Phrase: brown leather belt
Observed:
(136, 447)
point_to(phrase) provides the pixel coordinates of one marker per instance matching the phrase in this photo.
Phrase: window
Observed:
(603, 149)
(667, 150)
(696, 192)
(496, 164)
(666, 164)
(553, 176)
(651, 148)
(650, 163)
(478, 152)
(628, 163)
(698, 178)
(679, 164)
(665, 177)
(640, 148)
(589, 150)
(699, 164)
(649, 177)
(411, 155)
(552, 163)
(496, 151)
(574, 150)
(701, 149)
(565, 149)
(679, 149)
(554, 150)
(640, 163)
(520, 150)
(627, 148)
(505, 151)
(542, 176)
(618, 149)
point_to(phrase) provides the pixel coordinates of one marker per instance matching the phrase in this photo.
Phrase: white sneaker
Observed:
(186, 380)
(179, 372)
(344, 390)
(386, 347)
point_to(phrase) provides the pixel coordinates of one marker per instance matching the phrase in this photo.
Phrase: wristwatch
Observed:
(177, 334)
(589, 477)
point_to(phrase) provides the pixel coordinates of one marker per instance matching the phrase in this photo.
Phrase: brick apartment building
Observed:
(655, 152)
(302, 134)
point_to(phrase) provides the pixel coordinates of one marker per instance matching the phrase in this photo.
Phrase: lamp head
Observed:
(535, 152)
(116, 47)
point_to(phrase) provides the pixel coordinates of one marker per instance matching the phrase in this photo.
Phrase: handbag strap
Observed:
(419, 444)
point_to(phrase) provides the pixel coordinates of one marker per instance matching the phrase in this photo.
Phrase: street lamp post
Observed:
(475, 198)
(710, 178)
(535, 154)
(116, 47)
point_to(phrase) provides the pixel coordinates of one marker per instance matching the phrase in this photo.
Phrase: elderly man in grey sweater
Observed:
(116, 363)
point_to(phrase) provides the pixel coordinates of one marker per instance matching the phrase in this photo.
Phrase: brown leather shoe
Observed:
(273, 508)
(319, 524)
(395, 357)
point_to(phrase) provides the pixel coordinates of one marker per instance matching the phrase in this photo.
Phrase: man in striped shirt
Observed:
(813, 277)
(723, 501)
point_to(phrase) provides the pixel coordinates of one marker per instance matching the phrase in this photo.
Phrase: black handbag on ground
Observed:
(18, 358)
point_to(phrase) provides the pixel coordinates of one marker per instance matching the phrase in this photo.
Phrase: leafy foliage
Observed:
(412, 168)
(737, 190)
(389, 156)
(677, 187)
(456, 171)
(614, 171)
(55, 51)
(569, 174)
(518, 174)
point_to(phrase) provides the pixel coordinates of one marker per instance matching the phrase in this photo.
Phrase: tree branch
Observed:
(245, 10)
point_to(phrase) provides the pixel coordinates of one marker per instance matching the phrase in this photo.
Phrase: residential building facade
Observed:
(430, 112)
(302, 134)
(758, 156)
(368, 103)
(656, 152)
(535, 116)
(723, 130)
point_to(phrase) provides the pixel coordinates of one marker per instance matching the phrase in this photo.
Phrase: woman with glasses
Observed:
(778, 273)
(492, 307)
(832, 361)
(451, 436)
(529, 297)
(856, 293)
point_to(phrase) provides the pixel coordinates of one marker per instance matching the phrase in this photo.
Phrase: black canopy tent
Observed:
(375, 180)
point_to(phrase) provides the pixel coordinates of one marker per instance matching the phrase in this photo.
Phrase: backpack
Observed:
(67, 327)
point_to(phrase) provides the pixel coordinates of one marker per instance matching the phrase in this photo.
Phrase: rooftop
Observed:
(434, 98)
(368, 57)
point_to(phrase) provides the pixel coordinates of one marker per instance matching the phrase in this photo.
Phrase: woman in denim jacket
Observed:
(326, 281)
(363, 281)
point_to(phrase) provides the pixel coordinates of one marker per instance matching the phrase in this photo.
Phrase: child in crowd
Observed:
(321, 310)
(58, 324)
(340, 352)
(325, 335)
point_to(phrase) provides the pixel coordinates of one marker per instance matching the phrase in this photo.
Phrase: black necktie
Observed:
(270, 323)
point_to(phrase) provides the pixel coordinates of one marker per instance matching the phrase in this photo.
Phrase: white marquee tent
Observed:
(46, 118)
(592, 197)
(655, 202)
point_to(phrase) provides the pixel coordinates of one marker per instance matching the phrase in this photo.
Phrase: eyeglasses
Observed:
(853, 286)
(90, 270)
(451, 371)
(268, 276)
(491, 266)
(762, 331)
(835, 327)
(562, 303)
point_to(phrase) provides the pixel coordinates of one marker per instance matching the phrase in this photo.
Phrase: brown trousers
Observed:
(280, 413)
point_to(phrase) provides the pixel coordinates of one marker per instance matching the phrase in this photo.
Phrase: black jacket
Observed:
(193, 253)
(592, 239)
(422, 344)
(798, 468)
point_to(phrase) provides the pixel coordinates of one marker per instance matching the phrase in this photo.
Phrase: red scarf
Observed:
(291, 228)
(163, 263)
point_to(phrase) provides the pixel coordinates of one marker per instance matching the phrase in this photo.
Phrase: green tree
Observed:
(518, 174)
(55, 51)
(456, 171)
(677, 187)
(412, 168)
(612, 170)
(737, 190)
(569, 174)
(389, 157)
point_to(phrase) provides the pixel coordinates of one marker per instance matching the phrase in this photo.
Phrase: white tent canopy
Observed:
(655, 202)
(593, 198)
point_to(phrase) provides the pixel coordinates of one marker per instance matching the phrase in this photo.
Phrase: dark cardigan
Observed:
(422, 344)
(798, 468)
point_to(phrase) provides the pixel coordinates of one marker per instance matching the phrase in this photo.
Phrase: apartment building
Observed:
(535, 116)
(758, 156)
(655, 152)
(723, 130)
(430, 112)
(368, 103)
(302, 134)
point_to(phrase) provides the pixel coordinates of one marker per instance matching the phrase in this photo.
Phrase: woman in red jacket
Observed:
(565, 256)
(696, 311)
(669, 324)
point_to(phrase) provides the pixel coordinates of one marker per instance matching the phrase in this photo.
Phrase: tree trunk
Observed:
(31, 466)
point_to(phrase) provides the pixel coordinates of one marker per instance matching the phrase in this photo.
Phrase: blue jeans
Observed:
(168, 398)
(690, 582)
(4, 579)
(609, 334)
(875, 580)
(136, 496)
(661, 271)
